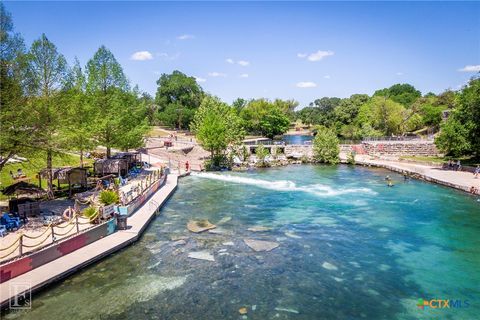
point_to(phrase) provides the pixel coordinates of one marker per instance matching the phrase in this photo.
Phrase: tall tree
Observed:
(216, 126)
(78, 128)
(405, 94)
(326, 146)
(106, 83)
(178, 97)
(17, 124)
(264, 117)
(48, 75)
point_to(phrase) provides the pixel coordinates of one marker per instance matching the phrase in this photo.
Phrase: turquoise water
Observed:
(349, 248)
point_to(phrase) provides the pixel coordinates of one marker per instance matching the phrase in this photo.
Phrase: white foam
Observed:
(284, 185)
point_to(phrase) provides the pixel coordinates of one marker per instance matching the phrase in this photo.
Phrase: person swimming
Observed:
(388, 178)
(390, 184)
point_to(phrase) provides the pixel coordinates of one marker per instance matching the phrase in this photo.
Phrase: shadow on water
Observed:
(345, 252)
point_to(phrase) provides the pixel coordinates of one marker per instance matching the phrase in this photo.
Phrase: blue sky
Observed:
(299, 50)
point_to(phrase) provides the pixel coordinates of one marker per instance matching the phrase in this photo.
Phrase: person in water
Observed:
(390, 184)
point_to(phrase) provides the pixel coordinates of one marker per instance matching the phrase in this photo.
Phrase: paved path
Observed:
(70, 263)
(456, 179)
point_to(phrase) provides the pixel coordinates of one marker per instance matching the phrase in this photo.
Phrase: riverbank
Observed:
(460, 180)
(64, 266)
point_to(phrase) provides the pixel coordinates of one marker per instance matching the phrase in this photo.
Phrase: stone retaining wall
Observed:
(401, 148)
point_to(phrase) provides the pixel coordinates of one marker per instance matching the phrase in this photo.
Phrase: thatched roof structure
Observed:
(22, 187)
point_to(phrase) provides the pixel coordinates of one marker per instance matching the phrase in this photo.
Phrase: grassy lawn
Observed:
(157, 132)
(36, 163)
(466, 161)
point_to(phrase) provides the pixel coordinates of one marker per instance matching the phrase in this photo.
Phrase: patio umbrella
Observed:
(22, 187)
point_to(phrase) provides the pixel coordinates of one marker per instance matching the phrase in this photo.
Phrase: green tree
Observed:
(383, 114)
(405, 94)
(48, 76)
(453, 138)
(326, 146)
(264, 117)
(216, 126)
(239, 104)
(79, 114)
(320, 112)
(17, 123)
(106, 85)
(178, 97)
(261, 152)
(468, 113)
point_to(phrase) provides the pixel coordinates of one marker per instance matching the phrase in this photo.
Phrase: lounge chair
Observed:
(9, 222)
(3, 230)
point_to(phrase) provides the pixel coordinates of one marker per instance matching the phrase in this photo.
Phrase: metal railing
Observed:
(398, 138)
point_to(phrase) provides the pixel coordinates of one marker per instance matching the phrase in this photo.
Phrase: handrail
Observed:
(73, 222)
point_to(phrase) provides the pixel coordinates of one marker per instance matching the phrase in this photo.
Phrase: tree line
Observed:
(49, 107)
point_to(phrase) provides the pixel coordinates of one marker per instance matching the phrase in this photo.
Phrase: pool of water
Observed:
(349, 248)
(297, 139)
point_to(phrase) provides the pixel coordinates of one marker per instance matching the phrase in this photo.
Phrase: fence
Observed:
(51, 232)
(146, 187)
(399, 138)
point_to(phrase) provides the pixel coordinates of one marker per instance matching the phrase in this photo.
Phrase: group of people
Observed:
(451, 165)
(19, 174)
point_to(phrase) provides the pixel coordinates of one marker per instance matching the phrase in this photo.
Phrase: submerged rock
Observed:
(199, 226)
(201, 255)
(287, 310)
(224, 220)
(258, 229)
(260, 245)
(242, 310)
(292, 235)
(329, 266)
(180, 242)
(219, 231)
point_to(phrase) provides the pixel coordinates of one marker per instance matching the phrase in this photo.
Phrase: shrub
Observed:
(325, 146)
(261, 152)
(90, 212)
(351, 158)
(108, 197)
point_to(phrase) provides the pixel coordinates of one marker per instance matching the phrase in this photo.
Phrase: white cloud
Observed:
(200, 80)
(470, 68)
(306, 84)
(185, 37)
(166, 56)
(244, 75)
(326, 76)
(399, 73)
(243, 63)
(316, 56)
(141, 56)
(217, 74)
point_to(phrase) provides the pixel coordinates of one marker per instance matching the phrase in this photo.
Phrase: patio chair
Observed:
(9, 222)
(3, 230)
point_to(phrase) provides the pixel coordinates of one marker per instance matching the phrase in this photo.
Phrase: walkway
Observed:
(66, 265)
(455, 179)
